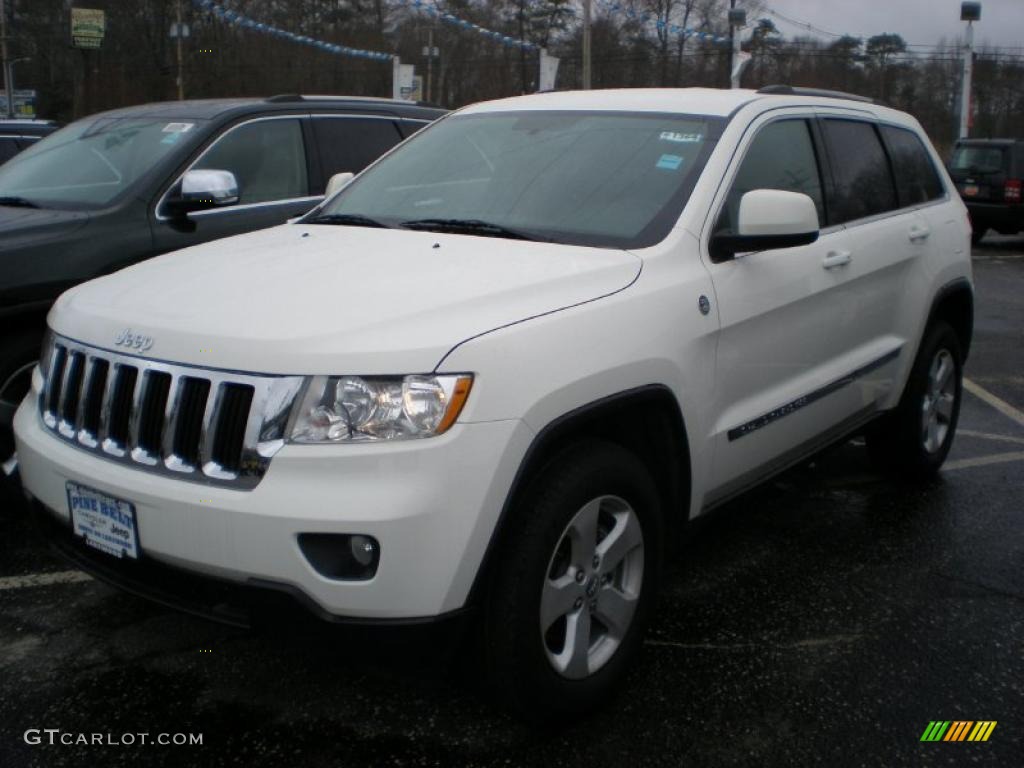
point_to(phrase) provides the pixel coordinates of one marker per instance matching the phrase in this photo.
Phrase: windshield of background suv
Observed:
(979, 159)
(90, 162)
(604, 179)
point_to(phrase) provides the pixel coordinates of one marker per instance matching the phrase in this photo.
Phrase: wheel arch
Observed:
(645, 420)
(954, 304)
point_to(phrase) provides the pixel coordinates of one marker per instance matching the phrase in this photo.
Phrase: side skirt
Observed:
(794, 456)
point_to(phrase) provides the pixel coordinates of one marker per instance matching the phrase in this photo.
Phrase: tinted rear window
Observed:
(352, 143)
(860, 170)
(917, 181)
(978, 158)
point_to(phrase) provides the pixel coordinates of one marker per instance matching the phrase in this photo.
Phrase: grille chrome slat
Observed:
(51, 393)
(119, 417)
(70, 390)
(191, 423)
(135, 415)
(91, 403)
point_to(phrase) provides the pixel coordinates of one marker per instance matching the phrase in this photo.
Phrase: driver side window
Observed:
(268, 159)
(781, 156)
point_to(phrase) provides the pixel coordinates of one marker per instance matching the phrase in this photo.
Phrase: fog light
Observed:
(364, 550)
(341, 556)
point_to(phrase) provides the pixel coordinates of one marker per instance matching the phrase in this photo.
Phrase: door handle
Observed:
(835, 259)
(918, 233)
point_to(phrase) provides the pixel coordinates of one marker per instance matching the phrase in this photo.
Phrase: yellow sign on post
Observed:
(87, 27)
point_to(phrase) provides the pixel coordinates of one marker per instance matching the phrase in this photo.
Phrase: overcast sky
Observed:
(918, 21)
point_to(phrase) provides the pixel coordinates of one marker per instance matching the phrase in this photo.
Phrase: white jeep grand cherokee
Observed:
(503, 367)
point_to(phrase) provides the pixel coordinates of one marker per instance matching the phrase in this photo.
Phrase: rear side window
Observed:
(860, 170)
(409, 127)
(352, 143)
(9, 147)
(781, 156)
(917, 181)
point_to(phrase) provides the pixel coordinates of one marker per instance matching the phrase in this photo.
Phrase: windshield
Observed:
(978, 159)
(90, 162)
(604, 179)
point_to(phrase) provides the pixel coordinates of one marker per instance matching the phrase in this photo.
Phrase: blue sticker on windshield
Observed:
(670, 162)
(170, 138)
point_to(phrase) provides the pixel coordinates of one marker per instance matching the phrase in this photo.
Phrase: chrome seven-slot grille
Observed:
(193, 423)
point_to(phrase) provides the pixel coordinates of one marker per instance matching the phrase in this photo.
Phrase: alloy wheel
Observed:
(939, 400)
(592, 587)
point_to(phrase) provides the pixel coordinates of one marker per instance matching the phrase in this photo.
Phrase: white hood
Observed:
(311, 299)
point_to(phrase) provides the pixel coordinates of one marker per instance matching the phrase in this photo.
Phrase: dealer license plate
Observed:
(971, 190)
(106, 523)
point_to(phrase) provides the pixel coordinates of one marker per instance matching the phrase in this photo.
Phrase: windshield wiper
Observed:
(472, 227)
(17, 202)
(347, 219)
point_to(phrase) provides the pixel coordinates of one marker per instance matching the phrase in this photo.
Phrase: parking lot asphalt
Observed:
(824, 618)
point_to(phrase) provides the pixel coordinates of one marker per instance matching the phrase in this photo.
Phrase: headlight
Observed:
(338, 409)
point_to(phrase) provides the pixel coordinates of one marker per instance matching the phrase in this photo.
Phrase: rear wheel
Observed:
(574, 584)
(915, 438)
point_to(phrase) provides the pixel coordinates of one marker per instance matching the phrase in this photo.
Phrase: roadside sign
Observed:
(87, 27)
(24, 102)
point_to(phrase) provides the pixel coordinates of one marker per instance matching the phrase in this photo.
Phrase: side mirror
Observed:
(768, 219)
(201, 190)
(337, 181)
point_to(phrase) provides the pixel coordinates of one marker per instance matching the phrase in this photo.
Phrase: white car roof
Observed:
(696, 101)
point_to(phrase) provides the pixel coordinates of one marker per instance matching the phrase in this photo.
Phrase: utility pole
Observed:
(8, 69)
(969, 12)
(737, 20)
(430, 58)
(181, 76)
(586, 45)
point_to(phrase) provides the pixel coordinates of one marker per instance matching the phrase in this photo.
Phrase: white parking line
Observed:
(989, 436)
(981, 461)
(42, 579)
(1000, 405)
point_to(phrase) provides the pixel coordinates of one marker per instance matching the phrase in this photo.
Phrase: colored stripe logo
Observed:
(958, 730)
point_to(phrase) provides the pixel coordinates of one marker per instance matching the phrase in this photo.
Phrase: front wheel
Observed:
(915, 438)
(576, 577)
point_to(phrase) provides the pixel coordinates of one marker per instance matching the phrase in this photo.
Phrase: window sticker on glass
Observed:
(670, 162)
(178, 127)
(681, 138)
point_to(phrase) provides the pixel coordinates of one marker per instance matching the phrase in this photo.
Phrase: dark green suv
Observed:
(118, 187)
(988, 173)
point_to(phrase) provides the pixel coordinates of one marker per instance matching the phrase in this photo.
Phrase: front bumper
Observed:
(431, 504)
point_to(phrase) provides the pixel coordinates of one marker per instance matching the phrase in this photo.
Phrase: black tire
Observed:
(18, 352)
(896, 441)
(514, 652)
(977, 232)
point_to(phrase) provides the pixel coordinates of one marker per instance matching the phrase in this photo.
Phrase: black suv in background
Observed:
(121, 186)
(16, 135)
(989, 174)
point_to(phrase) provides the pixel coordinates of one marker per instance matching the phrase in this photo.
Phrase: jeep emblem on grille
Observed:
(134, 341)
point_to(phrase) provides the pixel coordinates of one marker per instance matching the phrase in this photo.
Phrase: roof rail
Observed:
(290, 97)
(789, 90)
